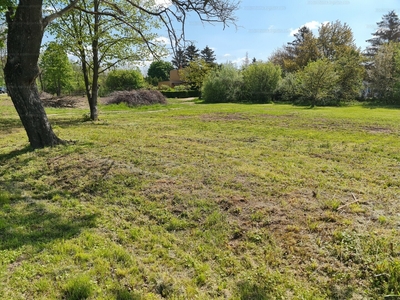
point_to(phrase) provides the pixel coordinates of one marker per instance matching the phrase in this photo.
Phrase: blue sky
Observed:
(264, 26)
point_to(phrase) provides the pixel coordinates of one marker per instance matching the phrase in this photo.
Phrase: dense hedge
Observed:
(181, 94)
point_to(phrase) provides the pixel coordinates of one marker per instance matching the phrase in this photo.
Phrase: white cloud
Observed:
(162, 40)
(311, 25)
(227, 55)
(162, 3)
(239, 61)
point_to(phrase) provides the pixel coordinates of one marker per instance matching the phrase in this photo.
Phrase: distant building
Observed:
(174, 79)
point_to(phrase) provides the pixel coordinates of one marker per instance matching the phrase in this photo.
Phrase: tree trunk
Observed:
(94, 114)
(25, 32)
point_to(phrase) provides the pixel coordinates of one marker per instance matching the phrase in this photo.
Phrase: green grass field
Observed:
(196, 201)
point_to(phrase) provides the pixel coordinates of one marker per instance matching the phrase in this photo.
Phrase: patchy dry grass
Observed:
(198, 201)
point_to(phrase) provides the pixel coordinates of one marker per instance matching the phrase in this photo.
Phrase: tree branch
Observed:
(57, 14)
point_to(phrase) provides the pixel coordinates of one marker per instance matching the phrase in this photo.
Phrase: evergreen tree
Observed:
(388, 31)
(179, 60)
(208, 55)
(191, 53)
(302, 50)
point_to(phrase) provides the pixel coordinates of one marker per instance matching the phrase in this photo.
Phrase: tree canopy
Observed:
(160, 69)
(56, 69)
(388, 31)
(27, 20)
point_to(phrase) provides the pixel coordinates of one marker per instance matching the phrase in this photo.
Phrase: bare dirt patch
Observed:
(377, 129)
(223, 117)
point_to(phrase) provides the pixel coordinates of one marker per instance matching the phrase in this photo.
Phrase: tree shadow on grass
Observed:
(7, 125)
(372, 105)
(32, 223)
(7, 156)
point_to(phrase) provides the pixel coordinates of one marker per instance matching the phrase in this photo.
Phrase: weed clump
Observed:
(78, 288)
(137, 97)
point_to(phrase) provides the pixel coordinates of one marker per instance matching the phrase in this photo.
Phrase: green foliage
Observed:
(160, 69)
(57, 72)
(223, 84)
(208, 55)
(78, 288)
(179, 59)
(319, 81)
(298, 53)
(289, 88)
(351, 73)
(387, 277)
(195, 73)
(260, 81)
(124, 80)
(171, 200)
(387, 32)
(192, 53)
(334, 38)
(384, 75)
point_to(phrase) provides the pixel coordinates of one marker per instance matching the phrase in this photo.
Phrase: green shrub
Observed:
(181, 87)
(289, 88)
(222, 85)
(260, 81)
(165, 87)
(124, 80)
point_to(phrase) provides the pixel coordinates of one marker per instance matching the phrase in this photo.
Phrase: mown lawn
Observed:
(196, 201)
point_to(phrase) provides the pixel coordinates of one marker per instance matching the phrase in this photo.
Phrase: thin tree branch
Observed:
(57, 14)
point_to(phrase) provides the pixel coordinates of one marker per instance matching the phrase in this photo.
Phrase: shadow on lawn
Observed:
(372, 105)
(31, 223)
(7, 125)
(14, 153)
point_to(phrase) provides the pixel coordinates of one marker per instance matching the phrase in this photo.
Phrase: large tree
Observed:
(101, 39)
(336, 43)
(384, 75)
(160, 69)
(297, 54)
(191, 53)
(334, 38)
(56, 69)
(388, 31)
(319, 80)
(27, 23)
(195, 73)
(208, 55)
(179, 59)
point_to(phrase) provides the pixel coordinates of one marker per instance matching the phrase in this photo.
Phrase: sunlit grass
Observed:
(188, 200)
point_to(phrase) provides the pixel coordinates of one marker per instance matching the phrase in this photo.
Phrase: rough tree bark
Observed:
(25, 32)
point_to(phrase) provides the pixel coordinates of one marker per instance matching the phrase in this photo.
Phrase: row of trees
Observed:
(86, 27)
(183, 57)
(323, 68)
(327, 68)
(58, 75)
